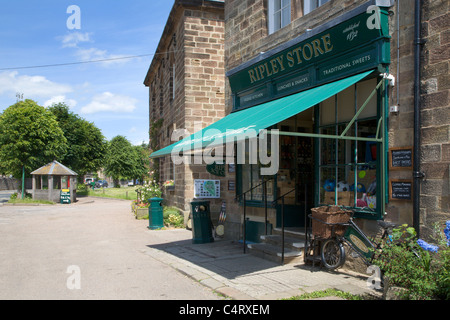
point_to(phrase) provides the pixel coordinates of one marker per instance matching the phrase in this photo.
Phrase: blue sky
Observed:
(110, 94)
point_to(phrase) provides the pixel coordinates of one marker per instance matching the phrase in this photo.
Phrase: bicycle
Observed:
(332, 253)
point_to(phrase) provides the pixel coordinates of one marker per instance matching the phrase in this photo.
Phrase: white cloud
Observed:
(93, 54)
(31, 86)
(71, 40)
(60, 99)
(109, 102)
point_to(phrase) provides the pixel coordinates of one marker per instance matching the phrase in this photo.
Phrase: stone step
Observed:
(292, 243)
(291, 232)
(274, 253)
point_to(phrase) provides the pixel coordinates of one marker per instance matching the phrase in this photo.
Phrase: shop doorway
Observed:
(296, 171)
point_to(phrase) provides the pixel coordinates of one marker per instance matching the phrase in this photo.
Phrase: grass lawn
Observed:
(127, 193)
(29, 201)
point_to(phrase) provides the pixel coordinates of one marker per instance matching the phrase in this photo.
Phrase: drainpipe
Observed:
(418, 176)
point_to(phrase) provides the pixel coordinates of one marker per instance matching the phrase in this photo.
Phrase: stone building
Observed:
(358, 91)
(49, 181)
(417, 56)
(186, 82)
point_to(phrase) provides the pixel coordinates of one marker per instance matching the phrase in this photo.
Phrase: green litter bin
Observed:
(201, 222)
(155, 214)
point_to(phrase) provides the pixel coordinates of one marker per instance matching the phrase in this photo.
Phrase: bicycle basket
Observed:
(326, 219)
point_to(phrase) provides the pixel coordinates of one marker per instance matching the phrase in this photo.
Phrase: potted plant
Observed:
(141, 210)
(169, 185)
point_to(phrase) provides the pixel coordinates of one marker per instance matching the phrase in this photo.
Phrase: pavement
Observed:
(223, 267)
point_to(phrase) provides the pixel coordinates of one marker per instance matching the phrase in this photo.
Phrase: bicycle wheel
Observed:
(332, 254)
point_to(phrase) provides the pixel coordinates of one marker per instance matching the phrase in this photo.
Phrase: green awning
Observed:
(240, 125)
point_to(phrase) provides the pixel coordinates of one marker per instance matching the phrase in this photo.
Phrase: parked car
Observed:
(101, 184)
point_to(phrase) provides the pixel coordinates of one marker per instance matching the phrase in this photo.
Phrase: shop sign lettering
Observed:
(292, 58)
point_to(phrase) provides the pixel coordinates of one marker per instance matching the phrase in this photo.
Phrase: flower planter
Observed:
(141, 213)
(170, 188)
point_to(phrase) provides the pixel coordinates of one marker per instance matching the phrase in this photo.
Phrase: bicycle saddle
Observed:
(386, 225)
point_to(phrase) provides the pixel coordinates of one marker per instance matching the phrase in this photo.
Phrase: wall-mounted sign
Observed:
(401, 158)
(216, 169)
(401, 190)
(206, 189)
(349, 47)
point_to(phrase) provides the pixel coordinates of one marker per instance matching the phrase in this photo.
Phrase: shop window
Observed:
(249, 177)
(279, 14)
(348, 168)
(310, 5)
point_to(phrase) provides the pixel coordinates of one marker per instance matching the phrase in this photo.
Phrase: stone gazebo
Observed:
(49, 180)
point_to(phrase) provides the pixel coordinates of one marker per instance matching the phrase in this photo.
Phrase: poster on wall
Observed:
(206, 189)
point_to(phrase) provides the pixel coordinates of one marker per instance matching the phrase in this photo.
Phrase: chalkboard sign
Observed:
(401, 189)
(401, 158)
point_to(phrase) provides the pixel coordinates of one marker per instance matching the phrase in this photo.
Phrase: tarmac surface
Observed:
(92, 227)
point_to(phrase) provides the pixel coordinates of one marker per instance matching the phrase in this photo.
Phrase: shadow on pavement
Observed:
(222, 257)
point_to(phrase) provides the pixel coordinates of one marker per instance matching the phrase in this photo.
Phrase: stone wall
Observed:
(8, 184)
(14, 184)
(435, 113)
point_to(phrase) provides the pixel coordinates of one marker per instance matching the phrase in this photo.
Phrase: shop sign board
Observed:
(349, 47)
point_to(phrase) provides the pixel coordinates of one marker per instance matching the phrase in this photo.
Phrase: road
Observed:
(5, 195)
(91, 250)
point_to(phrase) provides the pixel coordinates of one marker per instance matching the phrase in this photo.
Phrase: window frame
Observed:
(251, 199)
(271, 15)
(359, 212)
(311, 5)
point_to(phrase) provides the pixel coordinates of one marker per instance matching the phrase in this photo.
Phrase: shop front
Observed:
(322, 98)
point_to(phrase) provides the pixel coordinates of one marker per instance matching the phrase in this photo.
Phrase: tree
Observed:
(141, 162)
(30, 137)
(86, 143)
(123, 160)
(120, 158)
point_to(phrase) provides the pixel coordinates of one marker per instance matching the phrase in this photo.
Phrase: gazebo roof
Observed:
(54, 169)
